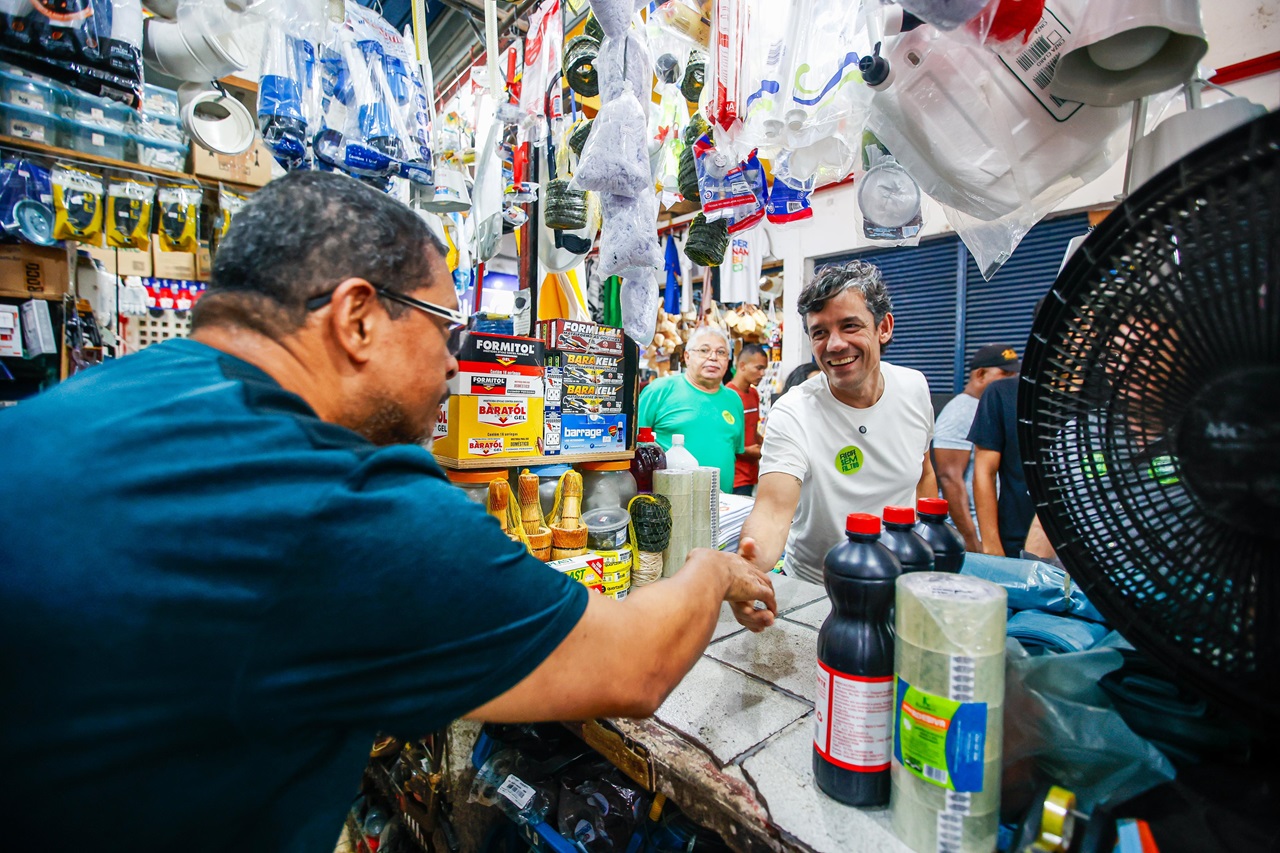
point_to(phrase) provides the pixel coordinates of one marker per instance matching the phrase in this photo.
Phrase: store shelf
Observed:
(528, 461)
(16, 143)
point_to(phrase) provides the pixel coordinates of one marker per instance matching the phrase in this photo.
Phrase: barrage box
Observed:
(490, 427)
(592, 433)
(499, 364)
(579, 337)
(587, 569)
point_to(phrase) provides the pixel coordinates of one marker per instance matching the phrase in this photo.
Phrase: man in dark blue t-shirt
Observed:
(226, 562)
(1002, 523)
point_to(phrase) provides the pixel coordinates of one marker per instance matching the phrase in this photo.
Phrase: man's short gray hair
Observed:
(833, 280)
(704, 330)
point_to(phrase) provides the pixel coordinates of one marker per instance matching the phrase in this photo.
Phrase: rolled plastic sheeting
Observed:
(949, 660)
(676, 487)
(706, 507)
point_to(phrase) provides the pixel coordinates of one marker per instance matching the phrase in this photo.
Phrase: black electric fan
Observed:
(1149, 419)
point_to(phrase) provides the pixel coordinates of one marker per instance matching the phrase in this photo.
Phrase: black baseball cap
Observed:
(996, 355)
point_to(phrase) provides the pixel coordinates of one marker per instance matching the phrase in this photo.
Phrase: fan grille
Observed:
(1149, 417)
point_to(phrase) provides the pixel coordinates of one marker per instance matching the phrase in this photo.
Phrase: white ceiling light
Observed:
(1122, 51)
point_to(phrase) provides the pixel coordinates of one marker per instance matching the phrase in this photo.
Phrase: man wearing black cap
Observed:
(1003, 522)
(952, 450)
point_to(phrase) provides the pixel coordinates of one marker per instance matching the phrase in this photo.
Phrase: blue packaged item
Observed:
(788, 202)
(1042, 633)
(26, 201)
(1033, 585)
(592, 433)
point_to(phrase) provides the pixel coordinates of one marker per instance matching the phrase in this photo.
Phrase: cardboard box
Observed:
(204, 263)
(37, 328)
(586, 338)
(179, 265)
(575, 404)
(598, 362)
(587, 569)
(551, 433)
(121, 261)
(27, 270)
(601, 377)
(499, 364)
(491, 427)
(253, 167)
(10, 332)
(592, 433)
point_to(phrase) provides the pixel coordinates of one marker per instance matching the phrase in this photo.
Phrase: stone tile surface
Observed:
(725, 712)
(785, 655)
(782, 773)
(792, 593)
(813, 614)
(726, 624)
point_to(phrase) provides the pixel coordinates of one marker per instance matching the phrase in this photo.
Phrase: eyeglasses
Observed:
(708, 352)
(455, 325)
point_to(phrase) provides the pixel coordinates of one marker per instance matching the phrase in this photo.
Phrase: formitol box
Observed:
(580, 337)
(495, 408)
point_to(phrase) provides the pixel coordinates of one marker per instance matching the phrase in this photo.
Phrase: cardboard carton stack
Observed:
(585, 388)
(495, 407)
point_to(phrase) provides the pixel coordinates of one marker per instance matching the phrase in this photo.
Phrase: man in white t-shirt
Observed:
(952, 450)
(854, 438)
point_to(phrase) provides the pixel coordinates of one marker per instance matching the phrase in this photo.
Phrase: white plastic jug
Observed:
(678, 457)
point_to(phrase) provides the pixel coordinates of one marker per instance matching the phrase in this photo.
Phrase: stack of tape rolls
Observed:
(676, 487)
(948, 712)
(706, 506)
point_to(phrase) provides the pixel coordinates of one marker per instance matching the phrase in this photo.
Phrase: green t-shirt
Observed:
(711, 422)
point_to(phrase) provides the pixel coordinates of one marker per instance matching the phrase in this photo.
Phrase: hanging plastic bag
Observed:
(722, 187)
(94, 46)
(629, 237)
(789, 203)
(728, 26)
(128, 219)
(666, 127)
(77, 205)
(542, 51)
(889, 200)
(229, 205)
(640, 300)
(26, 201)
(772, 42)
(625, 64)
(615, 159)
(615, 16)
(178, 208)
(288, 91)
(749, 216)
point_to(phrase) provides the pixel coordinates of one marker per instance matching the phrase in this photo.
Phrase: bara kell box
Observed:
(499, 364)
(592, 433)
(491, 427)
(576, 336)
(602, 377)
(599, 402)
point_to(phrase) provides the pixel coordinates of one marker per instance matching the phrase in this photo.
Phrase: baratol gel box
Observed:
(592, 433)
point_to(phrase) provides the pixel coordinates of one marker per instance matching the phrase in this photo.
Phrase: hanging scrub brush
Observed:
(687, 176)
(579, 65)
(650, 535)
(564, 209)
(568, 533)
(531, 517)
(578, 136)
(707, 241)
(695, 74)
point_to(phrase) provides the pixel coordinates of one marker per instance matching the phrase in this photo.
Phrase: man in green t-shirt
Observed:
(696, 405)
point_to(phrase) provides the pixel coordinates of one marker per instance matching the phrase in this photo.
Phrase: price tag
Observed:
(516, 791)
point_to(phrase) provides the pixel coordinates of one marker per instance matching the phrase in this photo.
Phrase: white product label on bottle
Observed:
(98, 140)
(516, 791)
(854, 719)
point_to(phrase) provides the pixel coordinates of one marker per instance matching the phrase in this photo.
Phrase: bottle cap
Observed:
(899, 515)
(646, 435)
(862, 522)
(677, 439)
(931, 506)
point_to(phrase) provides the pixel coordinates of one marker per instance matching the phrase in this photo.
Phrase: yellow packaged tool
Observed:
(77, 205)
(179, 212)
(129, 214)
(229, 205)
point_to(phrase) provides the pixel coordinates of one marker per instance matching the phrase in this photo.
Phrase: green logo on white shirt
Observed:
(849, 460)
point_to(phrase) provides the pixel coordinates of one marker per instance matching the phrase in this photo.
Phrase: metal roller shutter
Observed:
(922, 284)
(999, 311)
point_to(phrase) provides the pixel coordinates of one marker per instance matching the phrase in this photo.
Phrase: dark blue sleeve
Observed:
(987, 429)
(410, 606)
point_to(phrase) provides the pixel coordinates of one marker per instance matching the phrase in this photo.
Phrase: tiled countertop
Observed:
(733, 743)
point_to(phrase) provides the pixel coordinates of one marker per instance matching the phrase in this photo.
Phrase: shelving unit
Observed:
(527, 461)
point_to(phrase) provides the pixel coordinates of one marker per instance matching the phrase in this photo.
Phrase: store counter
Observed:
(733, 744)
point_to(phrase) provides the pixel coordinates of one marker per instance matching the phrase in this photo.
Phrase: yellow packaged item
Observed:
(129, 214)
(229, 205)
(77, 205)
(179, 212)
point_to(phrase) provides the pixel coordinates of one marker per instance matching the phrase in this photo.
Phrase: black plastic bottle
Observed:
(853, 739)
(900, 537)
(943, 538)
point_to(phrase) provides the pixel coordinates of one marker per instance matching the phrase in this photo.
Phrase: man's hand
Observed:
(755, 619)
(993, 547)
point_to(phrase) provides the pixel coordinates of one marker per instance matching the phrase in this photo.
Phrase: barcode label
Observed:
(963, 672)
(934, 774)
(1035, 64)
(950, 833)
(516, 791)
(1038, 48)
